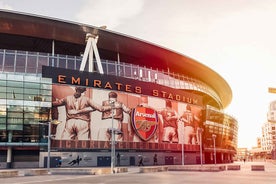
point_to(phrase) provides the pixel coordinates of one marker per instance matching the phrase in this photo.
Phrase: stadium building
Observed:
(89, 94)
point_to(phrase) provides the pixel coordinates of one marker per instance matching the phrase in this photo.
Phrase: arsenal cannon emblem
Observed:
(144, 121)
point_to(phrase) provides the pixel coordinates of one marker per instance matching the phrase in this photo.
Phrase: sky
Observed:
(234, 38)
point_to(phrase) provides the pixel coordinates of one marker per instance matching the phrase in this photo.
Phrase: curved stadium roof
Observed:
(34, 33)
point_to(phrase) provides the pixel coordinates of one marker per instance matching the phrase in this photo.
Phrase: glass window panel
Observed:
(104, 65)
(2, 83)
(120, 70)
(31, 91)
(31, 64)
(71, 64)
(32, 103)
(31, 78)
(29, 121)
(146, 75)
(31, 85)
(135, 72)
(3, 93)
(17, 135)
(14, 102)
(182, 84)
(31, 109)
(111, 69)
(46, 104)
(62, 62)
(17, 84)
(47, 99)
(3, 134)
(15, 121)
(20, 63)
(9, 63)
(31, 131)
(78, 63)
(46, 81)
(38, 98)
(42, 61)
(14, 90)
(15, 115)
(46, 86)
(3, 120)
(127, 71)
(3, 109)
(46, 92)
(11, 77)
(3, 101)
(1, 60)
(31, 115)
(29, 97)
(3, 76)
(14, 95)
(53, 61)
(3, 127)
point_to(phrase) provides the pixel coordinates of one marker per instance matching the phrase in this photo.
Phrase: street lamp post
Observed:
(49, 137)
(49, 147)
(199, 131)
(183, 156)
(183, 153)
(112, 138)
(214, 140)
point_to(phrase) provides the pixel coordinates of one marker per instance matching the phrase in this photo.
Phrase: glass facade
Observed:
(25, 102)
(31, 62)
(225, 127)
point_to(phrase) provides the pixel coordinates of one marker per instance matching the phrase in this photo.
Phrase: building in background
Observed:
(257, 153)
(128, 82)
(242, 154)
(268, 140)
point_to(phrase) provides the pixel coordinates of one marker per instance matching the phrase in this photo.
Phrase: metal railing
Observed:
(26, 62)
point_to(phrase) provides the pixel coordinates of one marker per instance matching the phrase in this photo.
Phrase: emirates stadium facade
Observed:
(89, 93)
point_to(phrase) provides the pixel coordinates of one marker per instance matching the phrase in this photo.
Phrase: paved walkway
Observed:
(246, 167)
(242, 176)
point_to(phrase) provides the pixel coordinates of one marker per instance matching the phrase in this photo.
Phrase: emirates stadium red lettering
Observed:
(129, 88)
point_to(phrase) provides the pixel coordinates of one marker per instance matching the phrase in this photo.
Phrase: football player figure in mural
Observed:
(190, 125)
(170, 117)
(78, 114)
(117, 113)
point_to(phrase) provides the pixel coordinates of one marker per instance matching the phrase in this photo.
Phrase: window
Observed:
(20, 63)
(31, 64)
(9, 63)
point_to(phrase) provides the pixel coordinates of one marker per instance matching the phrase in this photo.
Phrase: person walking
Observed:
(118, 159)
(140, 163)
(155, 159)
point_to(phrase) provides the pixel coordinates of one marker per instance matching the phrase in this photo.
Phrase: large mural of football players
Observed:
(78, 108)
(87, 114)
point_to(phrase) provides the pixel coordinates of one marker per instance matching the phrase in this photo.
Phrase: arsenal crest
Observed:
(144, 121)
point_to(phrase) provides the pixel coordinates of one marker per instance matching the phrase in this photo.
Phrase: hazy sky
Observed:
(236, 38)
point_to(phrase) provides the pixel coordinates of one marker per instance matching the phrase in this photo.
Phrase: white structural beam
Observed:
(91, 47)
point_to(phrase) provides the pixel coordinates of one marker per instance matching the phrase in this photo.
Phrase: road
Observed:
(243, 176)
